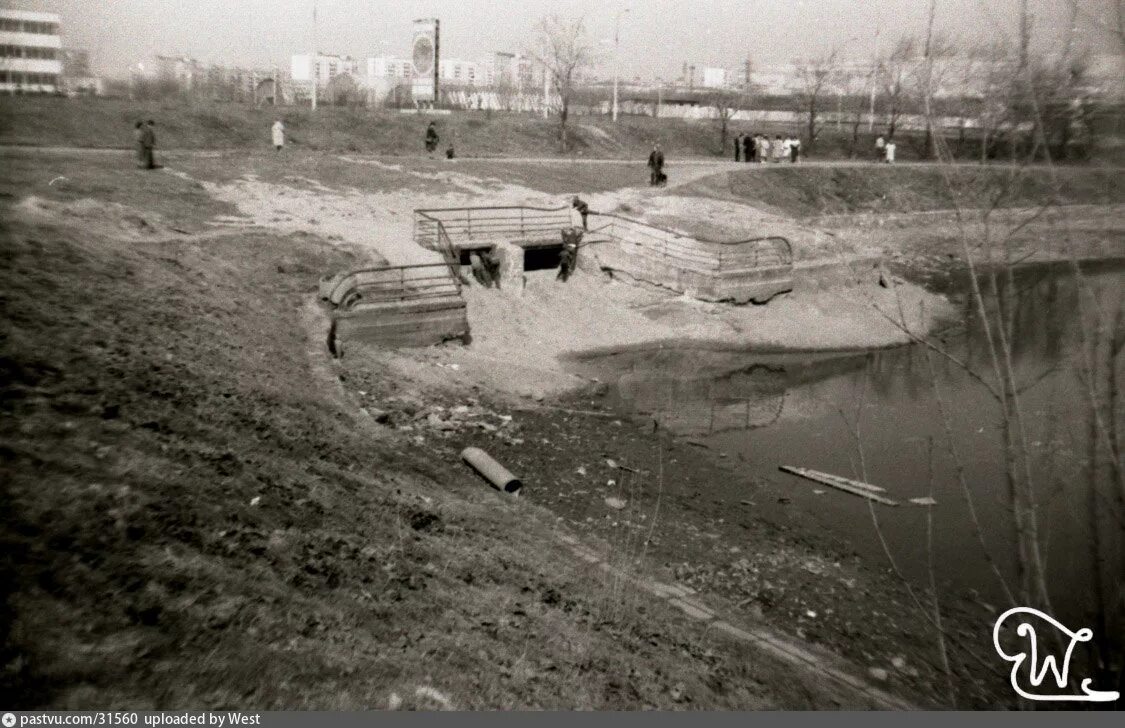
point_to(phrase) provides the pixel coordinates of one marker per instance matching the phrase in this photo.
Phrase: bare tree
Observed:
(563, 49)
(726, 103)
(896, 76)
(816, 75)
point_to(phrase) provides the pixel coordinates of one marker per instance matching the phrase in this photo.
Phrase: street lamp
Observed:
(616, 57)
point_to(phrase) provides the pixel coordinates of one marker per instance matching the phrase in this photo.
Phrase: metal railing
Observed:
(695, 252)
(453, 228)
(394, 284)
(484, 224)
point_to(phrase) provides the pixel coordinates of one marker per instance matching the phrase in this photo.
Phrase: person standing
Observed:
(277, 132)
(738, 148)
(794, 150)
(890, 151)
(431, 137)
(880, 147)
(148, 141)
(778, 148)
(764, 149)
(748, 144)
(139, 142)
(656, 166)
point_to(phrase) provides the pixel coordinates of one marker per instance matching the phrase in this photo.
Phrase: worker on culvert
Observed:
(568, 257)
(583, 209)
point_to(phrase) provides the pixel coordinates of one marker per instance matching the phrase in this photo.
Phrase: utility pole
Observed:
(315, 55)
(874, 82)
(616, 57)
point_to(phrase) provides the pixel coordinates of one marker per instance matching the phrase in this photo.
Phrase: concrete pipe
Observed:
(492, 471)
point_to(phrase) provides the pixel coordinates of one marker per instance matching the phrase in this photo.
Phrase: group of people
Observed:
(759, 148)
(885, 149)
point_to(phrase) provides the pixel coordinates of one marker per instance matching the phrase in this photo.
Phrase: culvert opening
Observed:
(546, 257)
(466, 252)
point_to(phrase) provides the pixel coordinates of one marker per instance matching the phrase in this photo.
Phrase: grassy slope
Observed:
(109, 123)
(156, 383)
(810, 191)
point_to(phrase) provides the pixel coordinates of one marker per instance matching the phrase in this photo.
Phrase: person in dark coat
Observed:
(138, 142)
(748, 148)
(431, 137)
(148, 141)
(738, 148)
(583, 209)
(656, 166)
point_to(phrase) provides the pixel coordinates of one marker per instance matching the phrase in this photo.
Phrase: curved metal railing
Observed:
(453, 227)
(765, 251)
(391, 284)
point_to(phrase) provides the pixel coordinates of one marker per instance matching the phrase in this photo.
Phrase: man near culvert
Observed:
(583, 209)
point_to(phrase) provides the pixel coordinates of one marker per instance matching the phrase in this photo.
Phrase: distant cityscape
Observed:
(34, 60)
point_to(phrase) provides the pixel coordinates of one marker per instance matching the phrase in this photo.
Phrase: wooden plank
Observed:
(863, 490)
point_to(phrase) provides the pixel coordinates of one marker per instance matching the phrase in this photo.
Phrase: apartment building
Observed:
(30, 52)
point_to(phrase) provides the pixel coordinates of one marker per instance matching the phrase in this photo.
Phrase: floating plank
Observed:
(855, 487)
(926, 501)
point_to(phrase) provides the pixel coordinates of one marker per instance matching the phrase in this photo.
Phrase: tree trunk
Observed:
(562, 122)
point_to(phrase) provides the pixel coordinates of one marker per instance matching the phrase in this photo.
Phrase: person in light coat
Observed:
(278, 134)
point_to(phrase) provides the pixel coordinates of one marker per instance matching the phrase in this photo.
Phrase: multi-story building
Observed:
(184, 71)
(30, 60)
(389, 67)
(77, 78)
(304, 68)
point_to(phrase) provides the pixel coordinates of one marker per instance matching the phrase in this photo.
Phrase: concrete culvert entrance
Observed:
(546, 257)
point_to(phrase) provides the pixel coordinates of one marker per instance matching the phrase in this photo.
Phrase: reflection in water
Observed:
(791, 409)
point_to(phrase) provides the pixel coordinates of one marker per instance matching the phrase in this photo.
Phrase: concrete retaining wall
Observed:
(408, 324)
(738, 286)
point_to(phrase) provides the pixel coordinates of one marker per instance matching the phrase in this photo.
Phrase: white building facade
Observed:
(30, 52)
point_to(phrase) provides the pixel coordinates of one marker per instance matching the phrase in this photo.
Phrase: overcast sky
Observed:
(657, 36)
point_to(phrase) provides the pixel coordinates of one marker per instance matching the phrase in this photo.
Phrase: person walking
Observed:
(794, 150)
(764, 149)
(148, 141)
(738, 148)
(748, 144)
(890, 151)
(778, 148)
(656, 166)
(139, 143)
(277, 132)
(431, 137)
(880, 147)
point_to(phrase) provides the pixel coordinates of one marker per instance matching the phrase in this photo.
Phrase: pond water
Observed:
(803, 409)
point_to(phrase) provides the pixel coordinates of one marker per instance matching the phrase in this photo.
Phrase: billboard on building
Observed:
(426, 58)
